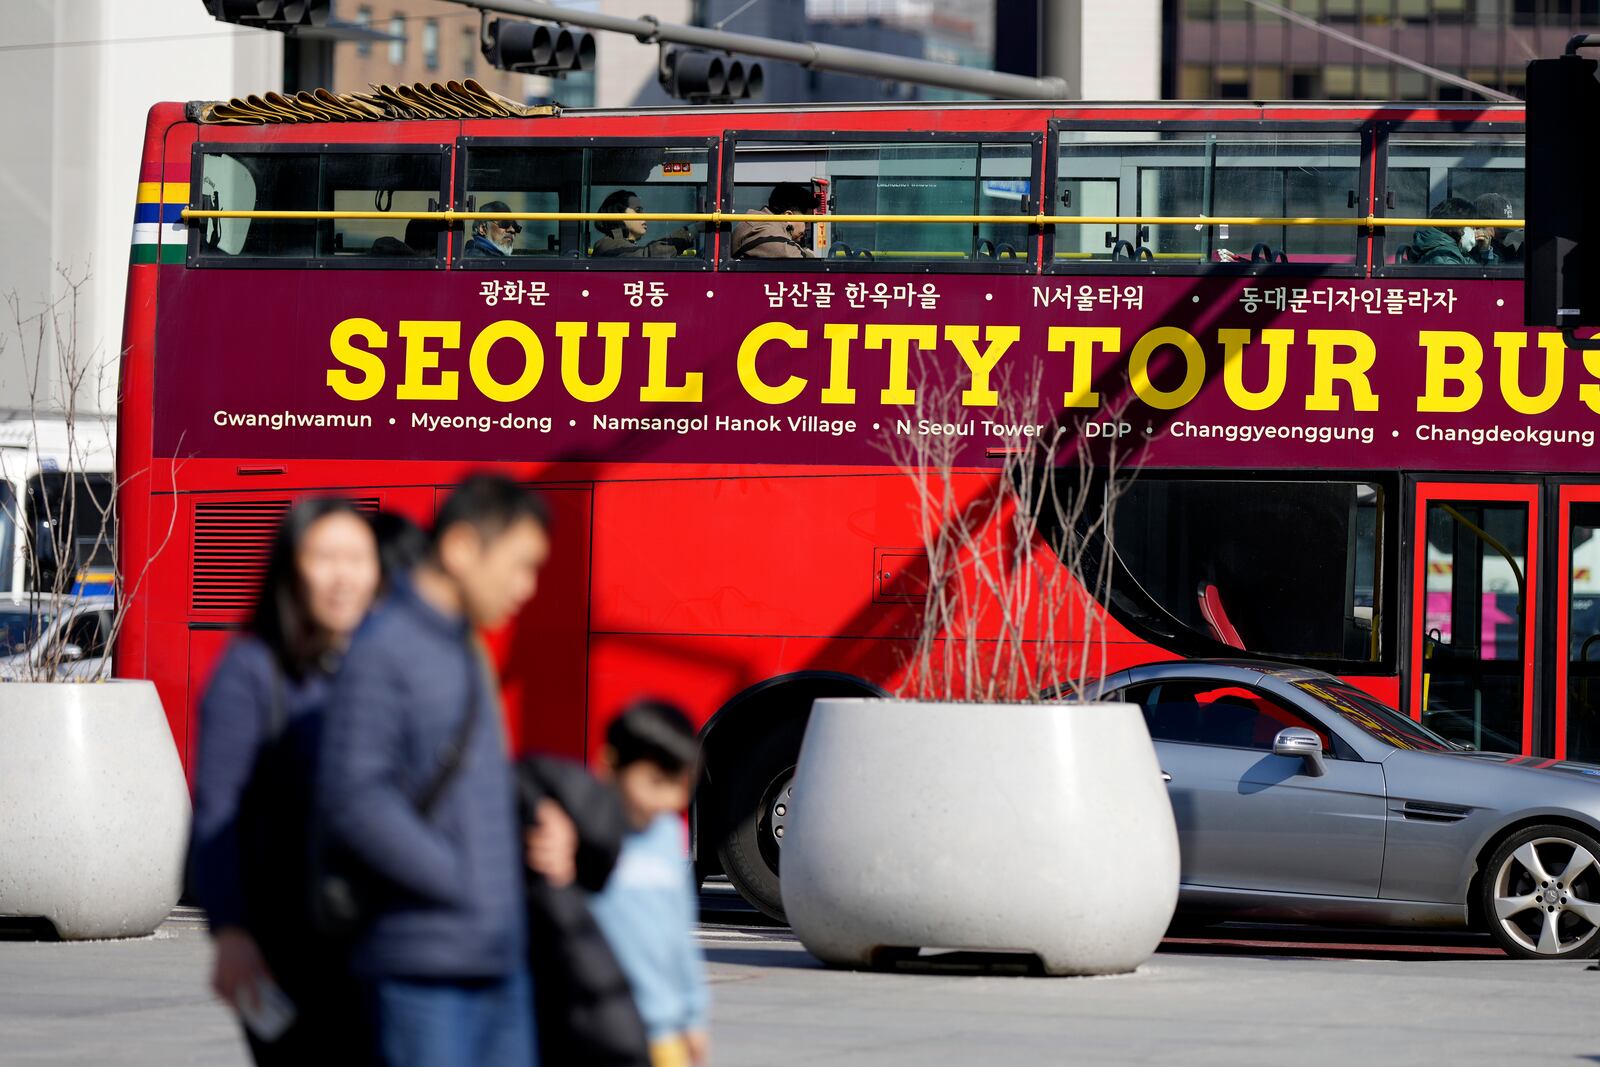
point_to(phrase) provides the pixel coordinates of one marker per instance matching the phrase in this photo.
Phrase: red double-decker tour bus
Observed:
(1302, 323)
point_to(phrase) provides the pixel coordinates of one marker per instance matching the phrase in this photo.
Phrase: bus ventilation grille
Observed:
(231, 542)
(420, 100)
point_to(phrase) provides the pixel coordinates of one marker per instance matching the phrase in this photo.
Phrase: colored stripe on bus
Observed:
(157, 254)
(149, 233)
(158, 213)
(164, 192)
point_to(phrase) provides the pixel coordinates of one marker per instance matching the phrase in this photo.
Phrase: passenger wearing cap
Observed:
(493, 237)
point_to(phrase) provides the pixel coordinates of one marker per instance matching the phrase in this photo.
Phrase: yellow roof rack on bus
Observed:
(441, 100)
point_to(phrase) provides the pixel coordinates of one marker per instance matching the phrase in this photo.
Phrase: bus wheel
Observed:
(758, 805)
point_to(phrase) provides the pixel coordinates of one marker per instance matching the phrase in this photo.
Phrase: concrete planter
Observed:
(1030, 828)
(94, 809)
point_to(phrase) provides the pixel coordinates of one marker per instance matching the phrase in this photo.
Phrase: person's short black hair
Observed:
(281, 618)
(1453, 208)
(652, 731)
(402, 544)
(792, 196)
(616, 203)
(1491, 206)
(491, 504)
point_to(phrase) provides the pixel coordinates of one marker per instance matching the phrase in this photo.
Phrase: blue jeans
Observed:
(438, 1023)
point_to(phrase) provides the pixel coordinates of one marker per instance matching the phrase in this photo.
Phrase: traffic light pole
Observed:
(807, 54)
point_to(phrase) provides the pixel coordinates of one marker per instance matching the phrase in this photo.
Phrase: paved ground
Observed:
(1234, 999)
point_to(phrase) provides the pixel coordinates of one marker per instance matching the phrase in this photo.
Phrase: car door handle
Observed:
(1165, 777)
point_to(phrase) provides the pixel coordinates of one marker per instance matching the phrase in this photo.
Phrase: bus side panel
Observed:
(205, 649)
(135, 409)
(543, 654)
(703, 673)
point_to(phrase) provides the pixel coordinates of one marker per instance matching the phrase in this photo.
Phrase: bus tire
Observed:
(756, 785)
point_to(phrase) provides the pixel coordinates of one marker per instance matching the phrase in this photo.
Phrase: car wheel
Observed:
(758, 806)
(1540, 894)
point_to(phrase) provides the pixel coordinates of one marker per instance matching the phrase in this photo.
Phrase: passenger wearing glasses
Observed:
(493, 237)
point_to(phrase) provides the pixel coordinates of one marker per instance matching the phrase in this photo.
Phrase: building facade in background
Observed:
(1233, 50)
(79, 77)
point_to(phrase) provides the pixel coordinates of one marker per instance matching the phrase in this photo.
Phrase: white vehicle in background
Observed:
(45, 638)
(57, 485)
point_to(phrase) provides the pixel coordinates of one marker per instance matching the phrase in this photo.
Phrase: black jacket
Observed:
(585, 1010)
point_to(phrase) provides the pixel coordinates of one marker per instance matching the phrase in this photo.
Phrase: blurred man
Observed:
(417, 789)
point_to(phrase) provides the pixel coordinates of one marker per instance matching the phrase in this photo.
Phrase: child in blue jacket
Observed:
(649, 906)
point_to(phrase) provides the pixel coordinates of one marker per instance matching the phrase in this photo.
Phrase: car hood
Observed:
(1494, 780)
(1539, 765)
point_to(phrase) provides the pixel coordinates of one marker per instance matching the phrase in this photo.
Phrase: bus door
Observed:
(1474, 613)
(1576, 645)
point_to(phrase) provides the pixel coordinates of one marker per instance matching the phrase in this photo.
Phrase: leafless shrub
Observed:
(1018, 560)
(64, 512)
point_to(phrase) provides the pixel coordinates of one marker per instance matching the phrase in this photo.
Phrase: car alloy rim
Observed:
(1547, 896)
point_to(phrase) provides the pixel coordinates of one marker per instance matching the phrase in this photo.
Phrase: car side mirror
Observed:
(1299, 743)
(71, 653)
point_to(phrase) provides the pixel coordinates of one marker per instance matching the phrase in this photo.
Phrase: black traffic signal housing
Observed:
(537, 47)
(271, 14)
(709, 77)
(1561, 255)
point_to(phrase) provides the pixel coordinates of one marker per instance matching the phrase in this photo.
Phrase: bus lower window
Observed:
(389, 181)
(1455, 176)
(1285, 175)
(614, 180)
(1278, 568)
(955, 178)
(69, 528)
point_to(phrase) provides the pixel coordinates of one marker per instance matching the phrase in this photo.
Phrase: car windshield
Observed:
(1374, 716)
(20, 628)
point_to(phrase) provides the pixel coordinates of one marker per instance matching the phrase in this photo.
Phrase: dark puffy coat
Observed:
(1435, 246)
(585, 1010)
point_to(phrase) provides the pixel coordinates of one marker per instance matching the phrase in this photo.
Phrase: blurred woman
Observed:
(260, 729)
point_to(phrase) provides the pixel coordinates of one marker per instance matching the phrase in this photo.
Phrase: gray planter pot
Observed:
(94, 809)
(1031, 828)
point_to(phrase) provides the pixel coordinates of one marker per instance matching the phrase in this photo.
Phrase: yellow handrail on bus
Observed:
(1370, 222)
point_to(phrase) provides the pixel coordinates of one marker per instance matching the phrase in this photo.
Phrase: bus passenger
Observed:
(1450, 246)
(778, 239)
(622, 238)
(1497, 245)
(493, 237)
(263, 716)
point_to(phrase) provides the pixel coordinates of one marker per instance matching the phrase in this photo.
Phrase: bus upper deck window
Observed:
(1450, 179)
(792, 179)
(523, 179)
(402, 183)
(1246, 173)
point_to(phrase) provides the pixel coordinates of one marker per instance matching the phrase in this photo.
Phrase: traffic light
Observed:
(1561, 275)
(271, 14)
(709, 77)
(538, 48)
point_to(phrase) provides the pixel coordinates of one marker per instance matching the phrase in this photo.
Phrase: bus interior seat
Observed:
(1211, 609)
(388, 246)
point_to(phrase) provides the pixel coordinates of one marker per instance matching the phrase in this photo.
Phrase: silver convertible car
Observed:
(1301, 798)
